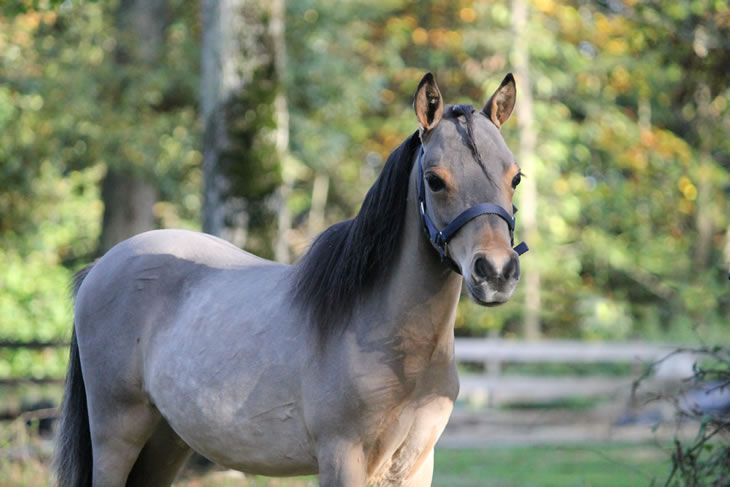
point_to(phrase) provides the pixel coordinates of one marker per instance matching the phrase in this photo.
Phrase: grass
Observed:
(596, 465)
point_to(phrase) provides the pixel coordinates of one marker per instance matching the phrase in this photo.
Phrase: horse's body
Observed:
(187, 342)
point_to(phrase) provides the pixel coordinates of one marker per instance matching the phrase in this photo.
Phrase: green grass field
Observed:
(609, 465)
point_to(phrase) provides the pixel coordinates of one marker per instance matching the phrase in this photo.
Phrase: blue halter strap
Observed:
(440, 238)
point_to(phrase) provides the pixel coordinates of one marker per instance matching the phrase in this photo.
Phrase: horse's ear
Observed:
(500, 105)
(427, 103)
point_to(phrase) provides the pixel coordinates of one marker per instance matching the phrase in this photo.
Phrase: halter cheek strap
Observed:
(440, 238)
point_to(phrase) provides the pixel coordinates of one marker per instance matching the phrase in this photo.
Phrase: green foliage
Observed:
(11, 8)
(630, 102)
(69, 111)
(34, 283)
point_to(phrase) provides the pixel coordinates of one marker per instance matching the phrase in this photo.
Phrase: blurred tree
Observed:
(528, 190)
(64, 122)
(628, 75)
(129, 195)
(694, 36)
(11, 8)
(281, 116)
(630, 107)
(238, 92)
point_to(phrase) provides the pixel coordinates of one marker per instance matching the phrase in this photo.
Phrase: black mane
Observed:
(347, 258)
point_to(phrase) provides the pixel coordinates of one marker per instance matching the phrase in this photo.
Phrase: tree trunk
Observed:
(236, 79)
(726, 250)
(128, 202)
(128, 196)
(703, 216)
(277, 27)
(528, 190)
(320, 188)
(704, 208)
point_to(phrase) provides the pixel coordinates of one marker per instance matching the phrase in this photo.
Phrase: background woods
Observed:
(111, 124)
(264, 121)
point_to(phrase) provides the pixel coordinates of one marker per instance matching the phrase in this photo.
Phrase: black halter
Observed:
(440, 238)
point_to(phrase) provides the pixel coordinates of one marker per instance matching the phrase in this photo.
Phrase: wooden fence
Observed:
(494, 387)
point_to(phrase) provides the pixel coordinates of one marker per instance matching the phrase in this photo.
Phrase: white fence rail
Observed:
(493, 387)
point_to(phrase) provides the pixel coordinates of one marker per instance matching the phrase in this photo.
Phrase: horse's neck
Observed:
(421, 293)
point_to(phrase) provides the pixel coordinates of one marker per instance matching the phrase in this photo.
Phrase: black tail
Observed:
(72, 461)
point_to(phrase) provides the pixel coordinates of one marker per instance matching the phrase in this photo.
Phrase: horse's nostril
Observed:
(489, 269)
(483, 268)
(511, 269)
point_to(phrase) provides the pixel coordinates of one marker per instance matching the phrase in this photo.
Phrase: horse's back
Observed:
(158, 256)
(196, 247)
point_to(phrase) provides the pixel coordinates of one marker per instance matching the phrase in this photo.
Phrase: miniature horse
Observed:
(342, 365)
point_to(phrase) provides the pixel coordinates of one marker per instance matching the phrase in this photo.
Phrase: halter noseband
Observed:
(440, 238)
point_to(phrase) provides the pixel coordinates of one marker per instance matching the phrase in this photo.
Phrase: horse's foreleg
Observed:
(423, 476)
(342, 464)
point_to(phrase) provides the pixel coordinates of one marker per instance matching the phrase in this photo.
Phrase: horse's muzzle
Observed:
(492, 278)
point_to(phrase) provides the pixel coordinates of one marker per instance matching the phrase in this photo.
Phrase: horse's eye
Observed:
(435, 183)
(516, 180)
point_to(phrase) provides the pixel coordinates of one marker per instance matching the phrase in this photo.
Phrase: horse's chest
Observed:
(406, 445)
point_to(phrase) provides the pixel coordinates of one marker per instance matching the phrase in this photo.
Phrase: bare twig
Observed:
(704, 460)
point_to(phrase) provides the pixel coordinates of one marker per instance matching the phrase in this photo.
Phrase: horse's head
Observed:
(467, 179)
